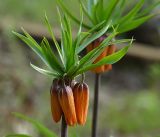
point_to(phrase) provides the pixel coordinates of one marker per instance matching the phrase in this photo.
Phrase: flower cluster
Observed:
(107, 51)
(71, 100)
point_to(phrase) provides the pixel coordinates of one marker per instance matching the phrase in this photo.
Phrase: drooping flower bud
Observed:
(55, 105)
(66, 100)
(81, 99)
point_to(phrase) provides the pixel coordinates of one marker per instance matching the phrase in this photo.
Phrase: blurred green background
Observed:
(129, 97)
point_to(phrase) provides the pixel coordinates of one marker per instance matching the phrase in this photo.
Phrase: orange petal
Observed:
(99, 69)
(111, 49)
(55, 105)
(81, 98)
(93, 45)
(66, 100)
(101, 56)
(108, 67)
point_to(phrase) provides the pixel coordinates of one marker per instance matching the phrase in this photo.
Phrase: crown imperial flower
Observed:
(81, 98)
(66, 99)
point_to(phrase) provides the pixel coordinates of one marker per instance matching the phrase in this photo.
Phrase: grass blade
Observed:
(40, 127)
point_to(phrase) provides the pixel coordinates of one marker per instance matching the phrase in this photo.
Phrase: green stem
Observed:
(95, 107)
(64, 131)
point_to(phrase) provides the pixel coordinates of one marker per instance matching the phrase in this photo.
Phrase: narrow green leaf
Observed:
(91, 3)
(111, 59)
(69, 45)
(100, 11)
(109, 8)
(92, 55)
(37, 49)
(45, 72)
(98, 50)
(92, 38)
(30, 38)
(115, 42)
(61, 4)
(17, 135)
(68, 29)
(78, 39)
(94, 14)
(71, 70)
(132, 13)
(86, 12)
(51, 58)
(47, 57)
(53, 37)
(40, 127)
(66, 44)
(63, 40)
(97, 27)
(148, 10)
(66, 41)
(64, 47)
(116, 15)
(115, 57)
(133, 24)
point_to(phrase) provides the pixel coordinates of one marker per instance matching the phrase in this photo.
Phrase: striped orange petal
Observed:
(101, 68)
(81, 99)
(66, 100)
(93, 45)
(111, 49)
(55, 105)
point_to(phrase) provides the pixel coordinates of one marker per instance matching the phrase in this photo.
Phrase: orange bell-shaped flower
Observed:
(66, 100)
(81, 99)
(107, 51)
(55, 105)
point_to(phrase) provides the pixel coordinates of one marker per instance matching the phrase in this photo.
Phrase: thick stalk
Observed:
(95, 106)
(64, 132)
